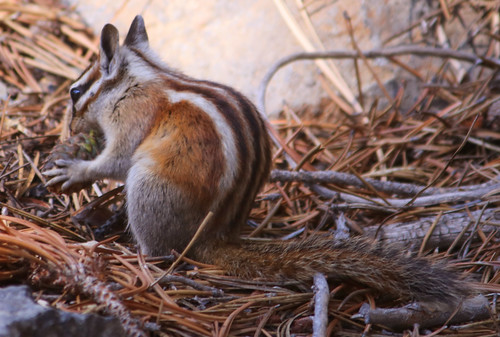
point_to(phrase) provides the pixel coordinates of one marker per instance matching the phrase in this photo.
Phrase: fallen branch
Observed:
(446, 230)
(347, 179)
(398, 204)
(470, 309)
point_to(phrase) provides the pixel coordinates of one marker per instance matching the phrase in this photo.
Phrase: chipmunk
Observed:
(185, 147)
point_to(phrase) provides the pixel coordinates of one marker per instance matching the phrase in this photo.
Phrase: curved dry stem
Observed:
(374, 53)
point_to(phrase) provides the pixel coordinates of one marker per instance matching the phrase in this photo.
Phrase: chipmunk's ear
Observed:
(137, 34)
(109, 46)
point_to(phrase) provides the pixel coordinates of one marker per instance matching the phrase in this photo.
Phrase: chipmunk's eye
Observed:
(75, 94)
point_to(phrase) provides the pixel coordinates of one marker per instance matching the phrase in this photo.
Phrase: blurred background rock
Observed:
(235, 42)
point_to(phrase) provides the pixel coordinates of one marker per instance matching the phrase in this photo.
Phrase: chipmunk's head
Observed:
(101, 87)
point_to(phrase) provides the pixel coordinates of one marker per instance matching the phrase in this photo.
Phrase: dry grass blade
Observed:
(333, 75)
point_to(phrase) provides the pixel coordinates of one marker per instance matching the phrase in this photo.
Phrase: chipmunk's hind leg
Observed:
(160, 216)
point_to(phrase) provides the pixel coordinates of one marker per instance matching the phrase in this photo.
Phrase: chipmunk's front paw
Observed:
(66, 160)
(70, 174)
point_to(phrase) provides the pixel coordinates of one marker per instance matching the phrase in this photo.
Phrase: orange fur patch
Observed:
(186, 150)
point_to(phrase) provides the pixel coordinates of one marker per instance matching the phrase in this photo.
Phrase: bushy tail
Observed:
(381, 267)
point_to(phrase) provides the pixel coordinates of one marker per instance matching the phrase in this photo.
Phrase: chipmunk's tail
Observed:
(381, 267)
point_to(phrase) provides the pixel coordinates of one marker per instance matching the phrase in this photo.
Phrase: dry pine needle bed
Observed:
(420, 171)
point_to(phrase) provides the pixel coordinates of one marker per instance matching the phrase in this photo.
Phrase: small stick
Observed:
(193, 284)
(321, 299)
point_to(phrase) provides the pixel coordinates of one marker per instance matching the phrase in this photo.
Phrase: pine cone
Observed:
(80, 146)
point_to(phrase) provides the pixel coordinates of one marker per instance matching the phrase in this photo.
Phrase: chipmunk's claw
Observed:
(67, 172)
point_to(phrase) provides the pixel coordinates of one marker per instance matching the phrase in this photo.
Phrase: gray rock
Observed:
(20, 316)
